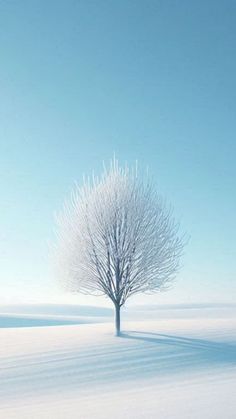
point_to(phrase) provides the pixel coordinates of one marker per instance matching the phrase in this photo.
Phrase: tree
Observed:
(117, 237)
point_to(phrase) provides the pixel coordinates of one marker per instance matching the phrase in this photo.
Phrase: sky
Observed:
(152, 81)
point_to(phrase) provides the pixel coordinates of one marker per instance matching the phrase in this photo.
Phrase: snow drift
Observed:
(167, 368)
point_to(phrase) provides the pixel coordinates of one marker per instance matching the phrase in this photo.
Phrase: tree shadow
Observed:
(201, 349)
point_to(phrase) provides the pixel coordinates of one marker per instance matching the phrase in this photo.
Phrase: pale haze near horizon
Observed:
(153, 82)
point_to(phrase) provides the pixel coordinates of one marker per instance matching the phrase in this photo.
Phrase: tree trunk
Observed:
(117, 319)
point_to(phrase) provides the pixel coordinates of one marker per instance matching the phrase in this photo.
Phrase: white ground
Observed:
(182, 367)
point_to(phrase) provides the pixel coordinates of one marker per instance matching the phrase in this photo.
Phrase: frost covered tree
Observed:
(117, 237)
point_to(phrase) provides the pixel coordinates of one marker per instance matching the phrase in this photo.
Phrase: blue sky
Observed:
(152, 81)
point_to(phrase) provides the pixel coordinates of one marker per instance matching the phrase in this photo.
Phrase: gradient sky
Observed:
(148, 80)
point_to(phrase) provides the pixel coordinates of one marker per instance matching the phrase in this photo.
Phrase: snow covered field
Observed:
(179, 364)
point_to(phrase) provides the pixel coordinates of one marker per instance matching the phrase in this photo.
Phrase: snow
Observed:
(181, 366)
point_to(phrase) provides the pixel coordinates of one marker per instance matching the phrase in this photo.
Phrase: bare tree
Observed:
(117, 237)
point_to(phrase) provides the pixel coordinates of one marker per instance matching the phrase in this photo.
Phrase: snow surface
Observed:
(181, 366)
